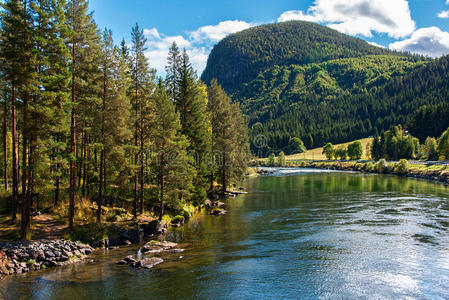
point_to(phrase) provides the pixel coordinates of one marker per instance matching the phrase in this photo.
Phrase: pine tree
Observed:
(229, 136)
(107, 60)
(83, 45)
(172, 69)
(171, 164)
(142, 85)
(12, 45)
(195, 123)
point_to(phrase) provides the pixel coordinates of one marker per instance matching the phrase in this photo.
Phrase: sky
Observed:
(419, 26)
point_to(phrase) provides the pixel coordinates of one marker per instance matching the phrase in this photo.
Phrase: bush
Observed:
(281, 159)
(402, 166)
(369, 167)
(177, 220)
(381, 166)
(355, 150)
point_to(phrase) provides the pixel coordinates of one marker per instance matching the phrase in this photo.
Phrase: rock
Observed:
(218, 212)
(130, 259)
(49, 253)
(51, 263)
(157, 246)
(122, 262)
(176, 250)
(161, 228)
(148, 263)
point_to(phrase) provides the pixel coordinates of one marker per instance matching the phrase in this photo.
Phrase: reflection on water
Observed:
(306, 235)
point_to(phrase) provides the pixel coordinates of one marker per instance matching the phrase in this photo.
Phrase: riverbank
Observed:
(438, 173)
(19, 257)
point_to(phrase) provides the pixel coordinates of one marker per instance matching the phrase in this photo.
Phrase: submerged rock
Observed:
(218, 212)
(148, 263)
(157, 246)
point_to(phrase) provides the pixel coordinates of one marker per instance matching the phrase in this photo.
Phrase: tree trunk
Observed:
(100, 188)
(142, 167)
(15, 178)
(136, 176)
(57, 179)
(25, 203)
(72, 143)
(224, 182)
(5, 141)
(87, 172)
(80, 157)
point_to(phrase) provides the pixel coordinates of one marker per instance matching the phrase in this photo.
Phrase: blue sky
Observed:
(420, 26)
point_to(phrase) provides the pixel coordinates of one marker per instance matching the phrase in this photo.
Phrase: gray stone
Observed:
(148, 263)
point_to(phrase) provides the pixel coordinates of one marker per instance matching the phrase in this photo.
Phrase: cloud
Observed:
(444, 14)
(215, 33)
(375, 44)
(359, 16)
(429, 41)
(198, 43)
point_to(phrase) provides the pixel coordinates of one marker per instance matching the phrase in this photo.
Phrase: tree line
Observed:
(86, 118)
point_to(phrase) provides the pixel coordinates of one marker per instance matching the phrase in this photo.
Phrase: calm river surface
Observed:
(309, 234)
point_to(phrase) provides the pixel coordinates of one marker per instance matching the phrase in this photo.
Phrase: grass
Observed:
(317, 153)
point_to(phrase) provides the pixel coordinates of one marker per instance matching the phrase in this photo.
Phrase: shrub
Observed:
(355, 150)
(381, 166)
(177, 220)
(402, 166)
(281, 159)
(369, 167)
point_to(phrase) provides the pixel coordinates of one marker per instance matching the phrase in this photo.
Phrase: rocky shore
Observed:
(18, 258)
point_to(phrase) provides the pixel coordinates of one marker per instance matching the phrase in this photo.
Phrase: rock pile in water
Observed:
(17, 258)
(151, 247)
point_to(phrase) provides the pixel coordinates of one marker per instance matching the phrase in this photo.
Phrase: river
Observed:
(296, 234)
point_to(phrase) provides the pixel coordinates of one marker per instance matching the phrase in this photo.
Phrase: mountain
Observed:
(299, 79)
(239, 57)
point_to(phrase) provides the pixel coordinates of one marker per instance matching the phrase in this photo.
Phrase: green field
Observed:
(317, 153)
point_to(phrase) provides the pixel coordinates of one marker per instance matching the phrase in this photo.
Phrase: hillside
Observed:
(357, 115)
(299, 79)
(239, 57)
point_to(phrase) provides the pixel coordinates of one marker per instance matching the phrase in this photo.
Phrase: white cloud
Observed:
(375, 44)
(444, 14)
(198, 43)
(359, 16)
(429, 41)
(215, 33)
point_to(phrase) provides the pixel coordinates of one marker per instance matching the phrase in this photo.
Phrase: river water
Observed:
(296, 234)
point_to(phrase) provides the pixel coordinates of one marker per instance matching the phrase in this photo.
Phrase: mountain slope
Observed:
(299, 79)
(357, 115)
(239, 57)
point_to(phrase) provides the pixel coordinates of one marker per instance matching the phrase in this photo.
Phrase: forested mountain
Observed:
(240, 57)
(298, 79)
